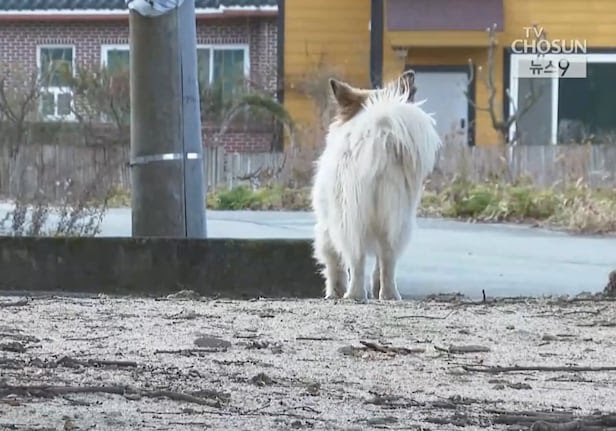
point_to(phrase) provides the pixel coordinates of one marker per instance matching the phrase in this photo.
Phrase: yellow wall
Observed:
(589, 20)
(330, 36)
(333, 36)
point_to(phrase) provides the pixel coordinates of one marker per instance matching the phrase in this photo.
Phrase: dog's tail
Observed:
(402, 129)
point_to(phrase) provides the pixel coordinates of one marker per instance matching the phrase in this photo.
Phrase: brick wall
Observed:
(19, 41)
(241, 141)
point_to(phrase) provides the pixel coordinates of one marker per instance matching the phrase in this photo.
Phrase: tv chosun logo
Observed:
(545, 58)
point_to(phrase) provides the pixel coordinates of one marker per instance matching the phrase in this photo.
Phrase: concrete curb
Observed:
(228, 268)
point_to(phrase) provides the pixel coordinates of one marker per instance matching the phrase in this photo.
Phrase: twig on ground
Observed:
(72, 362)
(19, 303)
(314, 339)
(20, 337)
(571, 369)
(602, 323)
(592, 312)
(495, 301)
(390, 349)
(25, 427)
(12, 363)
(463, 349)
(187, 352)
(555, 421)
(102, 337)
(423, 316)
(393, 401)
(76, 402)
(598, 298)
(284, 414)
(46, 391)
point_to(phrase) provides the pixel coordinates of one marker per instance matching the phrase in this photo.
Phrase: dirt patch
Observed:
(182, 363)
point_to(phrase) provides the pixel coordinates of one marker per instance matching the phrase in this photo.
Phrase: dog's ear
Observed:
(343, 92)
(348, 99)
(406, 81)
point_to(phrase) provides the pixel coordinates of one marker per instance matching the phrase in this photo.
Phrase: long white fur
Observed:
(366, 190)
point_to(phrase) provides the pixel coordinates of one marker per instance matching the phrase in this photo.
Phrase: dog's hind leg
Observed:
(334, 271)
(387, 264)
(335, 276)
(357, 289)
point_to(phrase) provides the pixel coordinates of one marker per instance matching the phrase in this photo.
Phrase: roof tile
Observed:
(47, 5)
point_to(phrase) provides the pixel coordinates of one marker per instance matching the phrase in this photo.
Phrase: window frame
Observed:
(229, 47)
(105, 48)
(513, 86)
(57, 90)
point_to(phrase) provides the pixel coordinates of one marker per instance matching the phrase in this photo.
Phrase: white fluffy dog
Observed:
(368, 184)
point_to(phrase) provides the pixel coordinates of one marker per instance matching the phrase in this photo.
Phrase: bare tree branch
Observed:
(499, 122)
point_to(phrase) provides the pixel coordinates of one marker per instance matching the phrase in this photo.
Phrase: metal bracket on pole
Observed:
(144, 160)
(153, 8)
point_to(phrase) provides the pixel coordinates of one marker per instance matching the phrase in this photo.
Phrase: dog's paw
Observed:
(389, 295)
(360, 297)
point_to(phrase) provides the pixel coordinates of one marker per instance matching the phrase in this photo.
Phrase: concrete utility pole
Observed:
(168, 187)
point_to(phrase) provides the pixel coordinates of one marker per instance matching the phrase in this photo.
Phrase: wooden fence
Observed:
(546, 165)
(45, 169)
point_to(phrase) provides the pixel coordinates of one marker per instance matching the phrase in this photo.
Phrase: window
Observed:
(116, 58)
(56, 67)
(222, 69)
(568, 109)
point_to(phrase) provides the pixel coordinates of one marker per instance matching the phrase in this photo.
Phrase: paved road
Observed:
(447, 256)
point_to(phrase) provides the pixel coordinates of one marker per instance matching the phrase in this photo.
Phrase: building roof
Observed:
(108, 5)
(103, 10)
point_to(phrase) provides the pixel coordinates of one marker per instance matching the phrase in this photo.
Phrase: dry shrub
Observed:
(45, 202)
(79, 213)
(578, 208)
(586, 210)
(264, 199)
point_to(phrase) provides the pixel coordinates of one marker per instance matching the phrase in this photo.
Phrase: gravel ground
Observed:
(185, 363)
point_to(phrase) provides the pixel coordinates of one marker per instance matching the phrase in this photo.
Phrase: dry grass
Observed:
(577, 208)
(480, 185)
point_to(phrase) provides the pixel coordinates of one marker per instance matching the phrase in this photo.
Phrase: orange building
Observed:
(369, 41)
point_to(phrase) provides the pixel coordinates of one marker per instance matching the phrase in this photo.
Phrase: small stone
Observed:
(385, 420)
(212, 342)
(549, 337)
(347, 350)
(184, 315)
(313, 389)
(69, 425)
(262, 379)
(520, 386)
